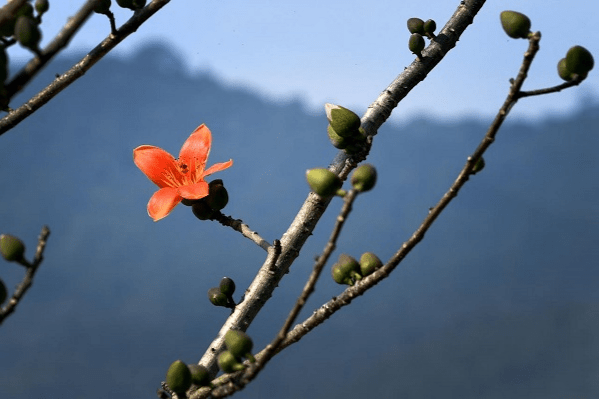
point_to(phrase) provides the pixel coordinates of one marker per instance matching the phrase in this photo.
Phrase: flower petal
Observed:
(194, 191)
(217, 167)
(195, 151)
(163, 202)
(155, 163)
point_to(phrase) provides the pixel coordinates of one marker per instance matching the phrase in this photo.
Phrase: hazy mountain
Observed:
(499, 300)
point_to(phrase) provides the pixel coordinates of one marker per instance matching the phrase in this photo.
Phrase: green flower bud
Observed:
(416, 44)
(563, 71)
(178, 377)
(336, 140)
(227, 286)
(27, 33)
(3, 292)
(11, 248)
(346, 270)
(199, 375)
(323, 182)
(25, 10)
(416, 25)
(579, 60)
(103, 7)
(478, 166)
(515, 24)
(202, 210)
(364, 177)
(41, 6)
(369, 262)
(228, 363)
(217, 297)
(218, 197)
(131, 4)
(429, 27)
(239, 344)
(343, 121)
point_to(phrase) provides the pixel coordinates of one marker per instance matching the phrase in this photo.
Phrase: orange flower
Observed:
(177, 178)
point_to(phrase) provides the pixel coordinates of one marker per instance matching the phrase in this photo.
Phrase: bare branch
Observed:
(60, 83)
(244, 229)
(29, 274)
(20, 80)
(292, 241)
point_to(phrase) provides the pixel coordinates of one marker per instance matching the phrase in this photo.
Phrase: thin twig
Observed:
(21, 79)
(308, 216)
(244, 229)
(29, 274)
(60, 83)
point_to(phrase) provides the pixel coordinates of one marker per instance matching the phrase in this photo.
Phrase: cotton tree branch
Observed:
(328, 309)
(29, 274)
(60, 83)
(244, 229)
(294, 238)
(20, 80)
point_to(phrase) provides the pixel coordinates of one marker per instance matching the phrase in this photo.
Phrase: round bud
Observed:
(202, 210)
(336, 140)
(178, 377)
(416, 43)
(239, 344)
(323, 182)
(26, 10)
(217, 197)
(199, 375)
(11, 248)
(27, 33)
(343, 121)
(346, 270)
(369, 262)
(227, 286)
(364, 177)
(416, 25)
(429, 27)
(579, 60)
(228, 363)
(217, 297)
(103, 7)
(41, 6)
(515, 24)
(478, 166)
(3, 292)
(563, 71)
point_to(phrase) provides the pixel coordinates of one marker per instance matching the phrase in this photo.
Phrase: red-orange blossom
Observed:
(177, 178)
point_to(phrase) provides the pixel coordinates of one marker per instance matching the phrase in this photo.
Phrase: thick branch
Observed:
(292, 241)
(79, 69)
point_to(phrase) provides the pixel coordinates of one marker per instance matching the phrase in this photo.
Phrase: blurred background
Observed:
(498, 301)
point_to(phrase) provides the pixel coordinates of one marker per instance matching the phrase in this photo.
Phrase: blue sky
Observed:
(347, 52)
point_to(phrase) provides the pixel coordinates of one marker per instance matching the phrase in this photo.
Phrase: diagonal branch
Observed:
(328, 309)
(20, 80)
(60, 83)
(313, 208)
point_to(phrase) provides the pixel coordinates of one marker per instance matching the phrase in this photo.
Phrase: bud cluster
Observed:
(348, 270)
(207, 207)
(578, 62)
(181, 376)
(223, 294)
(344, 129)
(419, 29)
(239, 345)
